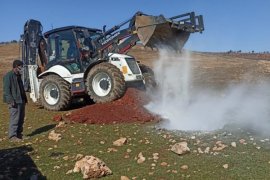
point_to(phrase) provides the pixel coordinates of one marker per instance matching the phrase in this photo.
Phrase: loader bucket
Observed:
(157, 31)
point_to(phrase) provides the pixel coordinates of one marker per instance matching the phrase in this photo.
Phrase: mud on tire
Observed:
(105, 83)
(55, 93)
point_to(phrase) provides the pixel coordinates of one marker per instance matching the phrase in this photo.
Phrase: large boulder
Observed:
(180, 148)
(92, 167)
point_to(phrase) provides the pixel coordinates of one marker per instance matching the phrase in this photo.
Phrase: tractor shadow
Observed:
(17, 164)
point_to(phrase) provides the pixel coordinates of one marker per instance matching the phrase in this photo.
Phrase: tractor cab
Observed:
(71, 47)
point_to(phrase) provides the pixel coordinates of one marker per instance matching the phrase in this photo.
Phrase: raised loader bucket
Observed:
(157, 31)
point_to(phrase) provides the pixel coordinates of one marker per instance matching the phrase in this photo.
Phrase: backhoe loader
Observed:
(74, 61)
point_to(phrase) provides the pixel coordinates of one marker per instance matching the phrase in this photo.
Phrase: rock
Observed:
(69, 171)
(207, 149)
(219, 146)
(164, 164)
(91, 167)
(174, 171)
(65, 158)
(128, 150)
(184, 167)
(61, 124)
(200, 151)
(180, 148)
(56, 167)
(141, 158)
(54, 136)
(242, 141)
(225, 166)
(102, 142)
(155, 156)
(112, 150)
(193, 137)
(233, 144)
(124, 178)
(120, 142)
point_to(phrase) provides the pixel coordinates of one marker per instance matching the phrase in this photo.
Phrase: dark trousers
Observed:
(16, 121)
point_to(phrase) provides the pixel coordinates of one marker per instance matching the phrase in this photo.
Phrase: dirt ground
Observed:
(209, 70)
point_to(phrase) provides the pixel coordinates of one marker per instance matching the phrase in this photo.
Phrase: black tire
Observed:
(149, 76)
(105, 83)
(55, 93)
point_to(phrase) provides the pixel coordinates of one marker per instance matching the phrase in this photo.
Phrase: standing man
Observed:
(14, 95)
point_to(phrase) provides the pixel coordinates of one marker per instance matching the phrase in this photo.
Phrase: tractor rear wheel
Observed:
(149, 76)
(105, 83)
(55, 93)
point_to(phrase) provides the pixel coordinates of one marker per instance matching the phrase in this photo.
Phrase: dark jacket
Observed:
(11, 91)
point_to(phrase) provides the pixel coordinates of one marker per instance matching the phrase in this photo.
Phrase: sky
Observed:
(229, 24)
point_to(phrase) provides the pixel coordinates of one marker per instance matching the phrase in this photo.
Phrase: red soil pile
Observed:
(127, 109)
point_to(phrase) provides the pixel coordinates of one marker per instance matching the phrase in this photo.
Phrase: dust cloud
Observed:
(184, 108)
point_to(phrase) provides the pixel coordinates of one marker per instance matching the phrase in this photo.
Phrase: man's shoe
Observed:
(14, 139)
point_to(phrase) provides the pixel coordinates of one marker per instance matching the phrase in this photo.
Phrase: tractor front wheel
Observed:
(105, 83)
(55, 93)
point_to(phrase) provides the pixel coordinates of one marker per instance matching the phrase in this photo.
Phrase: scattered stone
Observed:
(56, 167)
(151, 173)
(184, 167)
(242, 141)
(233, 144)
(141, 158)
(155, 156)
(124, 178)
(69, 171)
(120, 142)
(65, 158)
(102, 142)
(200, 151)
(91, 167)
(174, 171)
(128, 150)
(180, 148)
(61, 124)
(251, 139)
(193, 137)
(225, 166)
(111, 150)
(164, 164)
(207, 150)
(219, 146)
(258, 147)
(54, 136)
